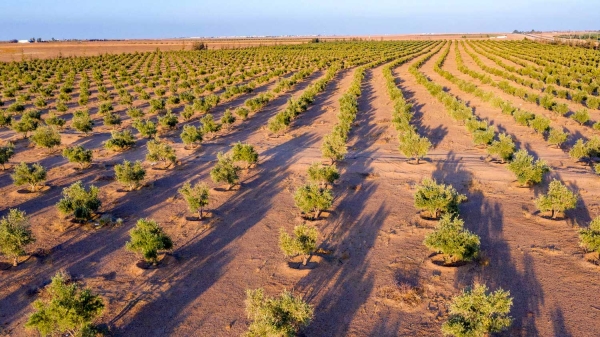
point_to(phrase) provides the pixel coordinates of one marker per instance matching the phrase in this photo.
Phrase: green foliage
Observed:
(146, 128)
(82, 121)
(452, 240)
(242, 113)
(135, 113)
(54, 120)
(188, 112)
(160, 151)
(322, 174)
(79, 202)
(228, 118)
(312, 198)
(557, 137)
(209, 125)
(191, 135)
(581, 116)
(25, 125)
(120, 141)
(15, 234)
(414, 146)
(579, 150)
(504, 147)
(112, 119)
(474, 313)
(437, 199)
(196, 196)
(33, 175)
(527, 170)
(590, 237)
(333, 147)
(168, 121)
(304, 242)
(245, 153)
(540, 124)
(66, 309)
(225, 170)
(276, 317)
(46, 136)
(78, 154)
(5, 119)
(6, 152)
(558, 199)
(148, 238)
(130, 174)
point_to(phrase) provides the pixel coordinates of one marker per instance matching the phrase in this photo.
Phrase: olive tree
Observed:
(46, 136)
(6, 152)
(276, 316)
(130, 174)
(225, 170)
(78, 154)
(303, 242)
(209, 126)
(437, 199)
(558, 199)
(504, 147)
(120, 141)
(148, 238)
(15, 234)
(191, 135)
(322, 174)
(160, 151)
(168, 121)
(65, 308)
(78, 201)
(414, 146)
(25, 125)
(82, 121)
(527, 170)
(557, 137)
(311, 198)
(245, 153)
(33, 175)
(196, 197)
(590, 237)
(452, 240)
(146, 128)
(333, 147)
(477, 313)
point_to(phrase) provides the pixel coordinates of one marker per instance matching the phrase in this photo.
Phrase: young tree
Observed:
(78, 154)
(161, 151)
(527, 170)
(228, 118)
(437, 199)
(148, 238)
(6, 152)
(168, 121)
(322, 174)
(209, 126)
(225, 170)
(5, 119)
(135, 113)
(590, 237)
(46, 136)
(246, 153)
(196, 197)
(15, 234)
(283, 316)
(414, 146)
(66, 309)
(540, 124)
(452, 240)
(579, 150)
(79, 202)
(476, 313)
(242, 113)
(581, 116)
(33, 175)
(145, 128)
(120, 141)
(130, 174)
(304, 242)
(333, 147)
(25, 125)
(311, 198)
(504, 147)
(191, 135)
(557, 137)
(54, 120)
(82, 121)
(112, 119)
(558, 199)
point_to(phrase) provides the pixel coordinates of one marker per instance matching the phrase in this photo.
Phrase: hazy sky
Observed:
(21, 19)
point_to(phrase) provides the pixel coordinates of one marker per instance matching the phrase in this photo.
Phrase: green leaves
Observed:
(527, 170)
(196, 196)
(33, 175)
(452, 240)
(225, 170)
(437, 199)
(303, 242)
(15, 234)
(130, 174)
(312, 198)
(79, 202)
(558, 199)
(147, 238)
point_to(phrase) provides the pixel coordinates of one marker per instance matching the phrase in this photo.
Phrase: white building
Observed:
(23, 41)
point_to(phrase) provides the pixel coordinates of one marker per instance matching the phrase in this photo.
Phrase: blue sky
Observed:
(20, 19)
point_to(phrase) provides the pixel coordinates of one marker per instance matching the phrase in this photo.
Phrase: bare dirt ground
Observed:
(373, 234)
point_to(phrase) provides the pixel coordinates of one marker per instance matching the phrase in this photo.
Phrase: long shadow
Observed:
(558, 324)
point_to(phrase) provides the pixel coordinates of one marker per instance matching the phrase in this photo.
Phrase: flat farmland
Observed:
(359, 106)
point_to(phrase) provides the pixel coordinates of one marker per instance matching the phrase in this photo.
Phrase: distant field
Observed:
(496, 120)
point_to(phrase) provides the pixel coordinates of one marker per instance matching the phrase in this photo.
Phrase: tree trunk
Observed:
(553, 214)
(200, 214)
(305, 259)
(15, 261)
(317, 213)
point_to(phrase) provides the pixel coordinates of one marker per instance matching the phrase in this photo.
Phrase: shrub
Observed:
(561, 109)
(476, 313)
(78, 154)
(557, 137)
(188, 112)
(523, 117)
(157, 105)
(79, 202)
(105, 108)
(82, 121)
(120, 141)
(33, 175)
(46, 136)
(485, 136)
(333, 147)
(25, 125)
(197, 46)
(66, 309)
(540, 124)
(148, 238)
(579, 150)
(196, 197)
(245, 153)
(130, 174)
(414, 146)
(15, 235)
(437, 199)
(160, 151)
(322, 174)
(54, 120)
(282, 316)
(135, 113)
(304, 242)
(168, 121)
(225, 170)
(581, 116)
(311, 198)
(558, 199)
(452, 240)
(191, 135)
(527, 170)
(228, 118)
(112, 119)
(209, 125)
(504, 147)
(5, 119)
(590, 237)
(145, 128)
(242, 113)
(6, 152)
